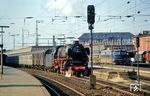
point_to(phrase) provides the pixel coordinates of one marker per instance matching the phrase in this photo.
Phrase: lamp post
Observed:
(37, 21)
(23, 30)
(14, 35)
(2, 46)
(23, 33)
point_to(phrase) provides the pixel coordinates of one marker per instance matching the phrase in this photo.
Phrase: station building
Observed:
(144, 39)
(108, 40)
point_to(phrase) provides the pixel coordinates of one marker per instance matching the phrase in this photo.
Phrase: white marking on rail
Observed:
(145, 83)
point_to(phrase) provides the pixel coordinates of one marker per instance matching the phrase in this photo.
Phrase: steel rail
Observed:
(81, 94)
(56, 93)
(106, 85)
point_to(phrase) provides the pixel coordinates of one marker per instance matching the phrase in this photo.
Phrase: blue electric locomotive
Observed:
(121, 57)
(114, 57)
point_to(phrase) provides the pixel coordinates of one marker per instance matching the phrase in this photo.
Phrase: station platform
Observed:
(15, 82)
(119, 73)
(143, 71)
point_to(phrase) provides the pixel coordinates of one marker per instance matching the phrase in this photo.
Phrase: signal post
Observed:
(1, 45)
(138, 67)
(91, 21)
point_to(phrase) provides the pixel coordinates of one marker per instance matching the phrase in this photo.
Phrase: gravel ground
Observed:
(78, 84)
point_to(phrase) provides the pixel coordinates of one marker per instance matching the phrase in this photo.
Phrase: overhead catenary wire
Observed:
(98, 4)
(134, 9)
(131, 9)
(50, 5)
(145, 1)
(63, 8)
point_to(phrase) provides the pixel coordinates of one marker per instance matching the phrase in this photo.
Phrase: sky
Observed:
(68, 18)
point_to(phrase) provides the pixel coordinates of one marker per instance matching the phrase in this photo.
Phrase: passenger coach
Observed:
(31, 56)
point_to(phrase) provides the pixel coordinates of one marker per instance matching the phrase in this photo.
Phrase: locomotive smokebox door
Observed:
(92, 81)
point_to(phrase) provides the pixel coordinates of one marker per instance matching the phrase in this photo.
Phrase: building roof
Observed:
(29, 50)
(145, 34)
(106, 35)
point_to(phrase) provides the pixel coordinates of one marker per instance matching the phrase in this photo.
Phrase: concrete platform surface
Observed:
(15, 82)
(121, 67)
(143, 71)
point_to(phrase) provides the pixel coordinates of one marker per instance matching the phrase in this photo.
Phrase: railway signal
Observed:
(91, 21)
(91, 14)
(14, 36)
(137, 46)
(137, 42)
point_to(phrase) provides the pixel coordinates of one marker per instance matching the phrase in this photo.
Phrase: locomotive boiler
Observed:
(71, 60)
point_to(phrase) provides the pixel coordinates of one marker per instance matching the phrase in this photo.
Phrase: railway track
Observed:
(111, 85)
(81, 85)
(144, 81)
(125, 88)
(53, 91)
(57, 88)
(145, 90)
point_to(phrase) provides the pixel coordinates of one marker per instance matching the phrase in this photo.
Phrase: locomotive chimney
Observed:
(76, 42)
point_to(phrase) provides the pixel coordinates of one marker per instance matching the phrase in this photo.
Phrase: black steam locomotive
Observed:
(66, 59)
(71, 60)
